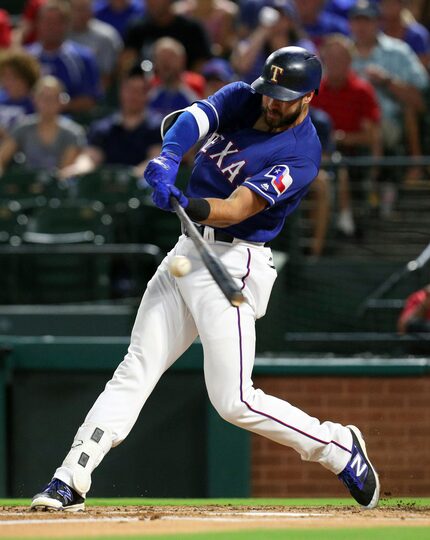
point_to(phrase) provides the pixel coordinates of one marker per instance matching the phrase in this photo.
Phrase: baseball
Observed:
(179, 266)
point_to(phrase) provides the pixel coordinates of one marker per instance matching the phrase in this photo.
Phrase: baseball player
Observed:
(259, 156)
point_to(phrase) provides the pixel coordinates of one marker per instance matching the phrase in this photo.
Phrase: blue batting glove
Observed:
(163, 168)
(162, 193)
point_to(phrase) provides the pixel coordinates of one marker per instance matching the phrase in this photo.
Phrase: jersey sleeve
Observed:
(230, 104)
(284, 181)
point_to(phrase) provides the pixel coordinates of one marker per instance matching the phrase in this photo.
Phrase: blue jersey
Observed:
(74, 65)
(277, 166)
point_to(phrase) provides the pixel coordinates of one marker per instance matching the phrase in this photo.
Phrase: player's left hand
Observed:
(162, 193)
(163, 168)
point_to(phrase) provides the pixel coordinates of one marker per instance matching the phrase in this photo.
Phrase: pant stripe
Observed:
(248, 269)
(268, 415)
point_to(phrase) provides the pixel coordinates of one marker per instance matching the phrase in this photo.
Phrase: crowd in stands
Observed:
(86, 83)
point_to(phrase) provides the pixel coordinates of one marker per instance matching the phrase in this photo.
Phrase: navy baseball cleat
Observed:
(359, 476)
(58, 496)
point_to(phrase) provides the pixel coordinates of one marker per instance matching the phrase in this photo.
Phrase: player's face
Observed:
(280, 115)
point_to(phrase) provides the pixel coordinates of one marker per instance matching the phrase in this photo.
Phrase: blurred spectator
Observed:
(421, 11)
(161, 21)
(317, 22)
(217, 72)
(44, 140)
(25, 31)
(415, 316)
(123, 138)
(397, 75)
(249, 11)
(351, 103)
(319, 192)
(218, 17)
(278, 27)
(5, 29)
(173, 87)
(398, 22)
(19, 72)
(118, 13)
(100, 37)
(73, 64)
(339, 7)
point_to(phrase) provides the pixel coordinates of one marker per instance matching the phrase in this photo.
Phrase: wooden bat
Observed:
(215, 266)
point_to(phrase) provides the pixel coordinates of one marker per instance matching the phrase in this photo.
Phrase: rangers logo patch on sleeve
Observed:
(281, 178)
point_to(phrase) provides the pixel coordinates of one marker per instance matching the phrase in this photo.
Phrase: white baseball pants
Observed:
(172, 313)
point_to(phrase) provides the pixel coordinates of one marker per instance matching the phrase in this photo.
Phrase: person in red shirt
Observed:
(24, 32)
(5, 29)
(415, 316)
(351, 103)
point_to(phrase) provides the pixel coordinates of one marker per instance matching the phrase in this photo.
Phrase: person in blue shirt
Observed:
(74, 65)
(259, 155)
(118, 13)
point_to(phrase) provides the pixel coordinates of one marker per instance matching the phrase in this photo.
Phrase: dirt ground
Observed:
(20, 522)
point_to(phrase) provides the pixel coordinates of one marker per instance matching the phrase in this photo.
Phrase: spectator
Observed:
(317, 22)
(123, 138)
(5, 29)
(415, 316)
(173, 87)
(319, 192)
(217, 72)
(278, 27)
(397, 75)
(44, 140)
(398, 22)
(339, 7)
(25, 31)
(351, 103)
(73, 64)
(119, 13)
(218, 17)
(19, 72)
(103, 40)
(161, 21)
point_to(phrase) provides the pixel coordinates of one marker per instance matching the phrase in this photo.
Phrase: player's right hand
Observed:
(162, 193)
(163, 168)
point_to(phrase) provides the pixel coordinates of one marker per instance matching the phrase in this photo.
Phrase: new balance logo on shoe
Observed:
(359, 465)
(359, 476)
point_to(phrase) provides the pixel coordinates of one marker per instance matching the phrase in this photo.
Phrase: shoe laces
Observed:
(61, 488)
(350, 479)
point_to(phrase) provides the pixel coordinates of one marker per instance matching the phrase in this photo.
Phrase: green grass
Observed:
(424, 501)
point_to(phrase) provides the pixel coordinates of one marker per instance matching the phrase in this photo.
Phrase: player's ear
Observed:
(307, 98)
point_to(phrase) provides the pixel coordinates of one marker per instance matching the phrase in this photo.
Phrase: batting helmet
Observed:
(289, 73)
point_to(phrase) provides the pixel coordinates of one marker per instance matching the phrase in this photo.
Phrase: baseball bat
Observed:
(215, 266)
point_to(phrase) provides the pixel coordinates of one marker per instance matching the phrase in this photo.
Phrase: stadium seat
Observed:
(53, 277)
(117, 189)
(12, 226)
(30, 188)
(12, 222)
(155, 226)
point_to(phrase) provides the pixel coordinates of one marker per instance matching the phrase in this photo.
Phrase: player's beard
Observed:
(275, 120)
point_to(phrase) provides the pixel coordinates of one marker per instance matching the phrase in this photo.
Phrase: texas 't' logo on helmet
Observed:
(276, 71)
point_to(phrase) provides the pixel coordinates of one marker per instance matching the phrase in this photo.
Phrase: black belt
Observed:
(219, 236)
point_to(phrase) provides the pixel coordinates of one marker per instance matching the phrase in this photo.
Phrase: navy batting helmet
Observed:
(289, 73)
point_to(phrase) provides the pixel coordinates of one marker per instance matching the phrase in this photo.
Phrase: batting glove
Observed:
(163, 168)
(162, 193)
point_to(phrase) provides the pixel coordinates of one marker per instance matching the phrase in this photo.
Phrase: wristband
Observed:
(198, 209)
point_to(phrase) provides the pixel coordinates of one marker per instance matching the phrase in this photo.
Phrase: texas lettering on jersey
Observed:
(229, 171)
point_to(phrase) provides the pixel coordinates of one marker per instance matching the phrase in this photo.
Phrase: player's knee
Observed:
(231, 410)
